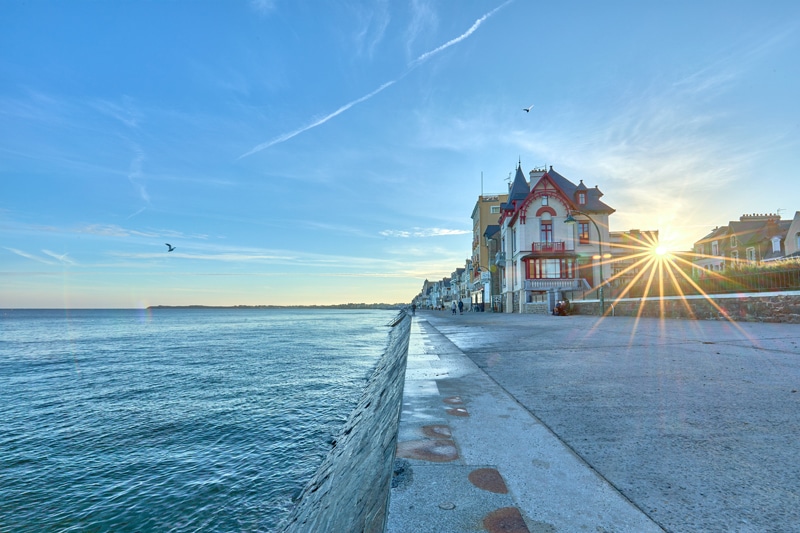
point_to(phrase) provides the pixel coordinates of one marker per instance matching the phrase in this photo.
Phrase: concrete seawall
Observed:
(350, 491)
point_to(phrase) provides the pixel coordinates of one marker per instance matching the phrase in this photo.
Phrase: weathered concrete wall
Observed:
(756, 307)
(350, 491)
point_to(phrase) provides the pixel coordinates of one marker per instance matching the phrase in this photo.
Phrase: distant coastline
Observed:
(331, 306)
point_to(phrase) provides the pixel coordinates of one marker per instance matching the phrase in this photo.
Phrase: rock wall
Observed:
(757, 307)
(350, 491)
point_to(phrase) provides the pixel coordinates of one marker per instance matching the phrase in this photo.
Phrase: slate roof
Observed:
(491, 229)
(519, 190)
(593, 202)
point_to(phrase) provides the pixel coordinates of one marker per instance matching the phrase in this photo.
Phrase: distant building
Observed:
(752, 239)
(485, 214)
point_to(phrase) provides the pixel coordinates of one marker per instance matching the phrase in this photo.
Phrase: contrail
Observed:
(414, 64)
(461, 37)
(323, 120)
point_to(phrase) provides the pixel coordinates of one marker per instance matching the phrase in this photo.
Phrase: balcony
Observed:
(543, 284)
(548, 247)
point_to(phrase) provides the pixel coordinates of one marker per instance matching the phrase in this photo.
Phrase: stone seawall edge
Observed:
(350, 490)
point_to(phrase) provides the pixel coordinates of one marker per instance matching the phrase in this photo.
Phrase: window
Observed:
(733, 241)
(583, 232)
(551, 269)
(735, 255)
(798, 239)
(547, 232)
(582, 198)
(544, 200)
(495, 209)
(751, 254)
(701, 249)
(715, 248)
(776, 244)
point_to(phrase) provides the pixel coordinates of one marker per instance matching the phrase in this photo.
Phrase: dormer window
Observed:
(544, 200)
(776, 244)
(733, 241)
(582, 198)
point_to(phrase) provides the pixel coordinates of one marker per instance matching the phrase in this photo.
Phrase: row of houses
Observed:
(548, 238)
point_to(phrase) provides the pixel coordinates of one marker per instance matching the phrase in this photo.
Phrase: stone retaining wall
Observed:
(350, 491)
(757, 307)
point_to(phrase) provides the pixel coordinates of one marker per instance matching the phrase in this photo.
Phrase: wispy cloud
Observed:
(113, 230)
(63, 258)
(126, 112)
(263, 7)
(135, 175)
(414, 64)
(373, 19)
(423, 232)
(30, 256)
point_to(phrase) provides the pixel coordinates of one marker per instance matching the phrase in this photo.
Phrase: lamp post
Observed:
(571, 221)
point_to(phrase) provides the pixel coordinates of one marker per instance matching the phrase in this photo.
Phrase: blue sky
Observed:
(325, 152)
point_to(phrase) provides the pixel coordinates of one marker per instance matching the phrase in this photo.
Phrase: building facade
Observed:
(552, 237)
(484, 214)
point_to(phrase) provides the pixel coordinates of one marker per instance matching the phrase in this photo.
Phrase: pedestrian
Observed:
(413, 309)
(461, 307)
(453, 307)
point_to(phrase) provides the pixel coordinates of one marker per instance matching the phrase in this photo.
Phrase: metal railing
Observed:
(722, 283)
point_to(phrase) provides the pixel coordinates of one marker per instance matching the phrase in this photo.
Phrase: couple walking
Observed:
(460, 307)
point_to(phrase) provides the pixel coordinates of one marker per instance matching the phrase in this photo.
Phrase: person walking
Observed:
(453, 307)
(460, 307)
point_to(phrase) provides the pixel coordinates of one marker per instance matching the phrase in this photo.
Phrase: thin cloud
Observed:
(63, 258)
(263, 7)
(414, 64)
(30, 256)
(423, 232)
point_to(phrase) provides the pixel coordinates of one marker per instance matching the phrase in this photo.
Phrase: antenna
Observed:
(481, 183)
(778, 211)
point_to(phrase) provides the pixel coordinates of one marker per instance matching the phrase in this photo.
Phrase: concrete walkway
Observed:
(562, 424)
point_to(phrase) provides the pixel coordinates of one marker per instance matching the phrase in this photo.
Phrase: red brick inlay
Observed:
(505, 520)
(435, 451)
(453, 400)
(437, 431)
(457, 411)
(488, 479)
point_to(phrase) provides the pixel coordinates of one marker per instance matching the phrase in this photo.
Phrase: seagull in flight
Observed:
(528, 109)
(169, 246)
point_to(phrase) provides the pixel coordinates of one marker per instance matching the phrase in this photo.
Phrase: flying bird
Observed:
(527, 109)
(169, 246)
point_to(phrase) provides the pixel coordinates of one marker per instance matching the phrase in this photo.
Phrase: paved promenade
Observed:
(564, 424)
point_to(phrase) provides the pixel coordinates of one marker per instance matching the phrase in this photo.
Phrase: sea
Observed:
(173, 420)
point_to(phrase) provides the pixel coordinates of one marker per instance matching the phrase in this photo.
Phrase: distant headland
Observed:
(329, 306)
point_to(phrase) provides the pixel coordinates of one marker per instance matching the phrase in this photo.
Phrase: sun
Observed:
(661, 250)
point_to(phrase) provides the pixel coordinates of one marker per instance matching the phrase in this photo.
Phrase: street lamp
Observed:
(571, 221)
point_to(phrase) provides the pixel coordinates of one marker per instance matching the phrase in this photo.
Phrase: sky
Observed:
(309, 152)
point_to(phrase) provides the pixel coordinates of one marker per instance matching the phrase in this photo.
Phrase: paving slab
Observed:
(458, 427)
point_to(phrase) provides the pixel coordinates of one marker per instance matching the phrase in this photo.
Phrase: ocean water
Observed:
(172, 419)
